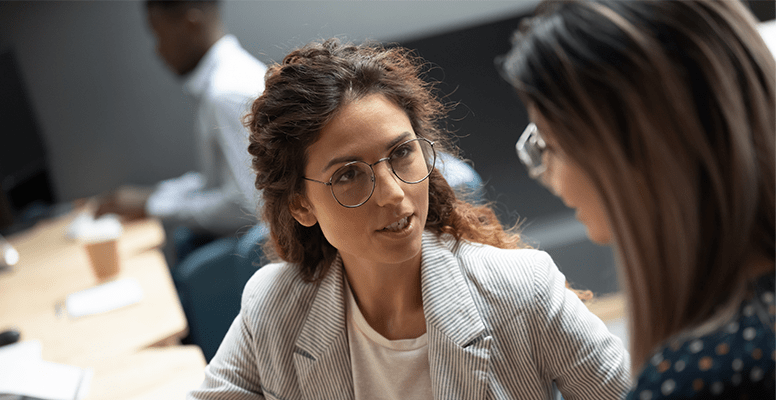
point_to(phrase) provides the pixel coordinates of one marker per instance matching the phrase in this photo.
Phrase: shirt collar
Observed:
(197, 81)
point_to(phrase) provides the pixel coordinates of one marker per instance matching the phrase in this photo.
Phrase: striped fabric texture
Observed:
(500, 323)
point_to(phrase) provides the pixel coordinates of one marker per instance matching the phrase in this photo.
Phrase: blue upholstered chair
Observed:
(210, 282)
(211, 278)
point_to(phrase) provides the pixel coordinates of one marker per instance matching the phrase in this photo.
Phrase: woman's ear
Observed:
(302, 211)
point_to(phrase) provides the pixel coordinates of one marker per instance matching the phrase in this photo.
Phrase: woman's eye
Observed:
(347, 175)
(402, 152)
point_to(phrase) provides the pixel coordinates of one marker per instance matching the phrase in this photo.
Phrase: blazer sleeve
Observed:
(232, 373)
(574, 347)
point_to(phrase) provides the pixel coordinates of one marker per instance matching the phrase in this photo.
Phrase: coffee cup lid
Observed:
(107, 227)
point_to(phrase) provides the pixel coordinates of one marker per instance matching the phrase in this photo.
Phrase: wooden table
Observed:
(118, 342)
(154, 373)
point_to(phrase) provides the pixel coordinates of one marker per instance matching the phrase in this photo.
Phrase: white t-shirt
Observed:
(382, 368)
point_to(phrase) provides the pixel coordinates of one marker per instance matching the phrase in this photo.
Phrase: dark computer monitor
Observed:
(25, 184)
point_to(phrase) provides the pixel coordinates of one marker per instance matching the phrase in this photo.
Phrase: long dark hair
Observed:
(669, 107)
(304, 93)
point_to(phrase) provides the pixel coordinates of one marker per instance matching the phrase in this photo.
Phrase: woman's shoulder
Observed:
(513, 274)
(274, 285)
(523, 263)
(737, 358)
(464, 249)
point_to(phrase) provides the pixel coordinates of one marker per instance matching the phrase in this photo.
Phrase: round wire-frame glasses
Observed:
(353, 184)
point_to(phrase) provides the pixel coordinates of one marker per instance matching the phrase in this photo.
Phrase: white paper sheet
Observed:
(106, 297)
(24, 373)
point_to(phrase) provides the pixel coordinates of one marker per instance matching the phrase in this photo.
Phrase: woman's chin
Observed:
(600, 238)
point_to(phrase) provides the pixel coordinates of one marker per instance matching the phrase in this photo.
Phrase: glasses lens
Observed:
(352, 184)
(413, 161)
(530, 149)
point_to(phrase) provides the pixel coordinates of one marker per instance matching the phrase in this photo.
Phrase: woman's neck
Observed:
(389, 297)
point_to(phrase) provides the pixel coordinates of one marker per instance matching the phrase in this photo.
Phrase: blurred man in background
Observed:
(219, 198)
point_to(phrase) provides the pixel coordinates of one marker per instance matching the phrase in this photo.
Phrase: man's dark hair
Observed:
(182, 5)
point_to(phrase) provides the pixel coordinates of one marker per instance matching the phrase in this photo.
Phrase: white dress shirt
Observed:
(220, 196)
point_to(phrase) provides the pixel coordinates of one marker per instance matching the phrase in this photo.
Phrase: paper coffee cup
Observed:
(104, 257)
(101, 243)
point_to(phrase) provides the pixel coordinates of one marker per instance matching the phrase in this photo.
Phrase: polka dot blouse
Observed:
(734, 362)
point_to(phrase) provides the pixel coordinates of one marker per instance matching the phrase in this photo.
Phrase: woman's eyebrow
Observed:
(399, 139)
(344, 159)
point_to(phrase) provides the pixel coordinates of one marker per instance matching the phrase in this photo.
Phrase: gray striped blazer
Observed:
(500, 323)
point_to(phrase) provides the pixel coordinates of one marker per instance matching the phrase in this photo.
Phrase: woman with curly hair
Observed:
(387, 285)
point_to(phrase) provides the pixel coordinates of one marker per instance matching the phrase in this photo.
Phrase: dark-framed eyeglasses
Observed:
(530, 149)
(352, 184)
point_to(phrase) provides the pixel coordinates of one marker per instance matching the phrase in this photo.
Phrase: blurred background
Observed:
(88, 106)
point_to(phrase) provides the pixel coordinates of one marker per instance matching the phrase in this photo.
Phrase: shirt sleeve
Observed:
(223, 199)
(576, 349)
(232, 137)
(185, 201)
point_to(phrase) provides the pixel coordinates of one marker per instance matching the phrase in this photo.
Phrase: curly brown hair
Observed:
(304, 93)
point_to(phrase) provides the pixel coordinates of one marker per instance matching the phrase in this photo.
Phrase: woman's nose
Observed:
(388, 187)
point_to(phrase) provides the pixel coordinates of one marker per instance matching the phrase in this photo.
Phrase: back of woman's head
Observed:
(302, 94)
(669, 108)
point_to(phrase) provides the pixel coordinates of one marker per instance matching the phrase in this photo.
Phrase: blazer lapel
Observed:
(322, 355)
(459, 344)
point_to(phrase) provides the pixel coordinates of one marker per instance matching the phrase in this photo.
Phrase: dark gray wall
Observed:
(110, 113)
